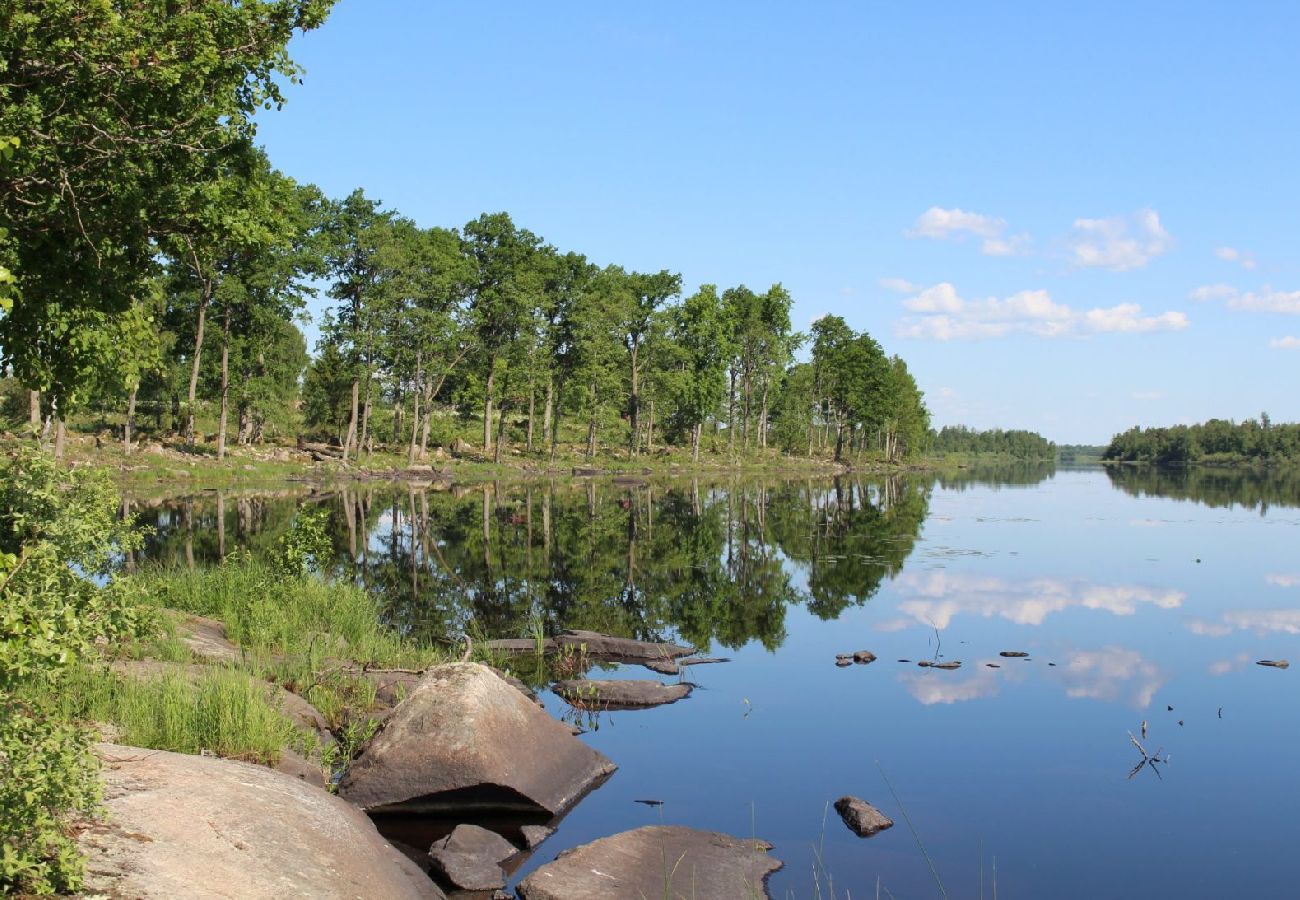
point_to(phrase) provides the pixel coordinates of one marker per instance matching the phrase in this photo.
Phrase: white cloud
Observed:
(943, 315)
(1233, 255)
(931, 687)
(1119, 243)
(1224, 666)
(1260, 621)
(1207, 629)
(1266, 299)
(1147, 396)
(1213, 292)
(1285, 343)
(899, 285)
(946, 224)
(936, 598)
(1283, 581)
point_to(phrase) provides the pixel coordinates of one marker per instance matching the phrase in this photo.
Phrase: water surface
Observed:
(1132, 591)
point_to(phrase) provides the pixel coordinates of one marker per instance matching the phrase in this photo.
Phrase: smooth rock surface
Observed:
(463, 729)
(617, 649)
(470, 858)
(863, 819)
(590, 693)
(533, 835)
(704, 864)
(201, 827)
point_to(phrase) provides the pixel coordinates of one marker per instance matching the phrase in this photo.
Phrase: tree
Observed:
(701, 333)
(122, 109)
(634, 297)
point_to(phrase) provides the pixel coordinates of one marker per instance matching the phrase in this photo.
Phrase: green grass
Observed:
(221, 711)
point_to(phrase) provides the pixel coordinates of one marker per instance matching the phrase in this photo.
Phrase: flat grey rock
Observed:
(617, 649)
(703, 864)
(534, 834)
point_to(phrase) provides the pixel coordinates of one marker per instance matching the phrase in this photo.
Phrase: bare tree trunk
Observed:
(350, 442)
(650, 429)
(762, 419)
(744, 428)
(365, 409)
(487, 405)
(225, 382)
(695, 440)
(635, 407)
(532, 408)
(501, 438)
(194, 365)
(731, 413)
(129, 427)
(548, 411)
(416, 395)
(59, 432)
(34, 410)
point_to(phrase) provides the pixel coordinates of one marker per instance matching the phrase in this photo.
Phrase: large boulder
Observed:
(201, 827)
(632, 864)
(592, 693)
(465, 739)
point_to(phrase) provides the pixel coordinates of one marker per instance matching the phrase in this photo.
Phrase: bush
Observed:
(59, 534)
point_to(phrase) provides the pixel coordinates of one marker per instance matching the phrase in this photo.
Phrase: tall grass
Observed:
(220, 711)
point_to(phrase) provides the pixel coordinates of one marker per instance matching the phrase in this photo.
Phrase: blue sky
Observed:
(1067, 218)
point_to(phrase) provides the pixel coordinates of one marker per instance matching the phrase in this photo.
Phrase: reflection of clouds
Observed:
(1261, 621)
(1224, 666)
(937, 597)
(931, 687)
(1111, 673)
(1281, 580)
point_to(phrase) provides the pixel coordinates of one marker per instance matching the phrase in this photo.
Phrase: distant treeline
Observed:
(1216, 441)
(1015, 443)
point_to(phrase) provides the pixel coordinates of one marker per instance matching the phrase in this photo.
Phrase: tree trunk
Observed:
(839, 440)
(744, 428)
(532, 408)
(501, 438)
(129, 428)
(487, 405)
(350, 442)
(650, 429)
(762, 419)
(695, 440)
(634, 406)
(548, 412)
(415, 407)
(365, 408)
(225, 382)
(194, 366)
(59, 433)
(34, 410)
(731, 412)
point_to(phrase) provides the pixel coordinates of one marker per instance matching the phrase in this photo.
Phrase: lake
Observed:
(1143, 599)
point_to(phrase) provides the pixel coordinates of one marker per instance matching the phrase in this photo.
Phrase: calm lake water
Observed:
(1132, 592)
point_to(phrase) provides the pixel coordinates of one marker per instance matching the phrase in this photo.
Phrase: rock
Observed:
(863, 819)
(925, 663)
(864, 656)
(1275, 663)
(663, 666)
(466, 738)
(1013, 654)
(533, 835)
(470, 858)
(297, 766)
(702, 660)
(207, 638)
(632, 864)
(954, 664)
(844, 656)
(206, 828)
(589, 693)
(580, 472)
(629, 481)
(513, 646)
(617, 649)
(843, 661)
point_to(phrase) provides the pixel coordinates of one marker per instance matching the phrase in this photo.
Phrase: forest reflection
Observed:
(1242, 486)
(701, 562)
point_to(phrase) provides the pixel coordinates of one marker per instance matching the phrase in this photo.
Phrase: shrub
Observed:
(59, 534)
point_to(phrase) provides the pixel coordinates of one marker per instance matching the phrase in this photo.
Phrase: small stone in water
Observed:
(844, 662)
(947, 665)
(1274, 663)
(1013, 654)
(864, 656)
(993, 665)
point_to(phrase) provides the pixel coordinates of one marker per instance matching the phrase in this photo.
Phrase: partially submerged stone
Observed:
(1013, 654)
(864, 656)
(590, 693)
(863, 819)
(470, 858)
(465, 739)
(202, 827)
(1274, 663)
(533, 835)
(617, 649)
(632, 864)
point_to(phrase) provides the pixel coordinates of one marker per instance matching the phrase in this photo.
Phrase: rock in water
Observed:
(470, 858)
(1274, 663)
(202, 827)
(864, 656)
(464, 738)
(535, 834)
(631, 864)
(617, 649)
(590, 693)
(1013, 654)
(863, 819)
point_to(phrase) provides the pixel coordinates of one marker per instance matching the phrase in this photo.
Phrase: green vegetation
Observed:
(1218, 441)
(57, 530)
(1015, 444)
(1079, 454)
